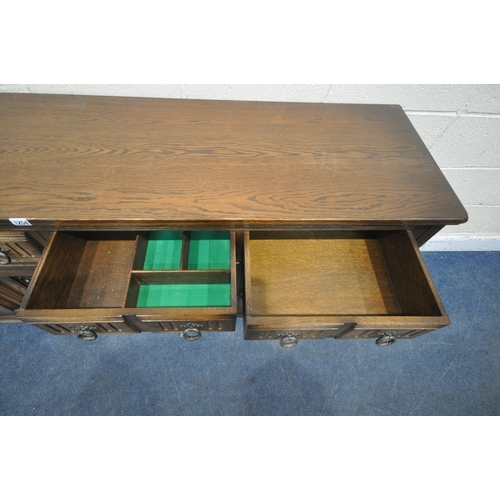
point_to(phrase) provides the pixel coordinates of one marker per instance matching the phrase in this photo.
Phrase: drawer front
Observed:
(18, 247)
(251, 334)
(225, 325)
(290, 338)
(20, 253)
(260, 334)
(377, 333)
(77, 328)
(12, 290)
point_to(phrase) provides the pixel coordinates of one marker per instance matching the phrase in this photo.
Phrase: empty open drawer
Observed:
(83, 271)
(338, 283)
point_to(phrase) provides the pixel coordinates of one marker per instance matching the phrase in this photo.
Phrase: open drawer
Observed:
(341, 284)
(114, 282)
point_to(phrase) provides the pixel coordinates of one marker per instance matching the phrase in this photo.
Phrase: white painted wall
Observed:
(460, 124)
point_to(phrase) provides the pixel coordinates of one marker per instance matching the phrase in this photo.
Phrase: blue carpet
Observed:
(453, 371)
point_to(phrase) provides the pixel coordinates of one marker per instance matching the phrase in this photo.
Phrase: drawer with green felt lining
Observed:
(182, 269)
(165, 275)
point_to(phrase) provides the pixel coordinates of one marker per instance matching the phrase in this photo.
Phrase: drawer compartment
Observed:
(307, 281)
(186, 250)
(84, 271)
(184, 295)
(160, 276)
(182, 269)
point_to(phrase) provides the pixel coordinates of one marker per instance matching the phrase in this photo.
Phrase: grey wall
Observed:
(460, 124)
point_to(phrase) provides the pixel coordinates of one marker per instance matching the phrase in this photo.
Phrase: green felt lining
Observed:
(163, 251)
(207, 295)
(209, 250)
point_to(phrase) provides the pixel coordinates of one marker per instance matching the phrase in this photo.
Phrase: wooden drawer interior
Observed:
(159, 269)
(337, 273)
(84, 270)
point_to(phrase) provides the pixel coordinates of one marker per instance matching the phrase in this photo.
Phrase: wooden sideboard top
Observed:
(104, 162)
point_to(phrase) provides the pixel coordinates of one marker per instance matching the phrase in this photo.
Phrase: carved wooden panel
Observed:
(70, 328)
(226, 325)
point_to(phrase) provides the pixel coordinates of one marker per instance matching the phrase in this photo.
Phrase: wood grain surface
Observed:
(106, 162)
(319, 277)
(83, 272)
(103, 274)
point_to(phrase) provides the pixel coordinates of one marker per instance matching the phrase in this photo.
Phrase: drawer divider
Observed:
(186, 242)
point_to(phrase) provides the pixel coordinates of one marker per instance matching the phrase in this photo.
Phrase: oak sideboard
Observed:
(127, 215)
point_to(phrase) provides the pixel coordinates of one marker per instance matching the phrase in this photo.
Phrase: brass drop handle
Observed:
(85, 333)
(289, 340)
(4, 258)
(191, 334)
(387, 339)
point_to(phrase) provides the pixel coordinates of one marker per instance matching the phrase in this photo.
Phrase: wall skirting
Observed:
(462, 244)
